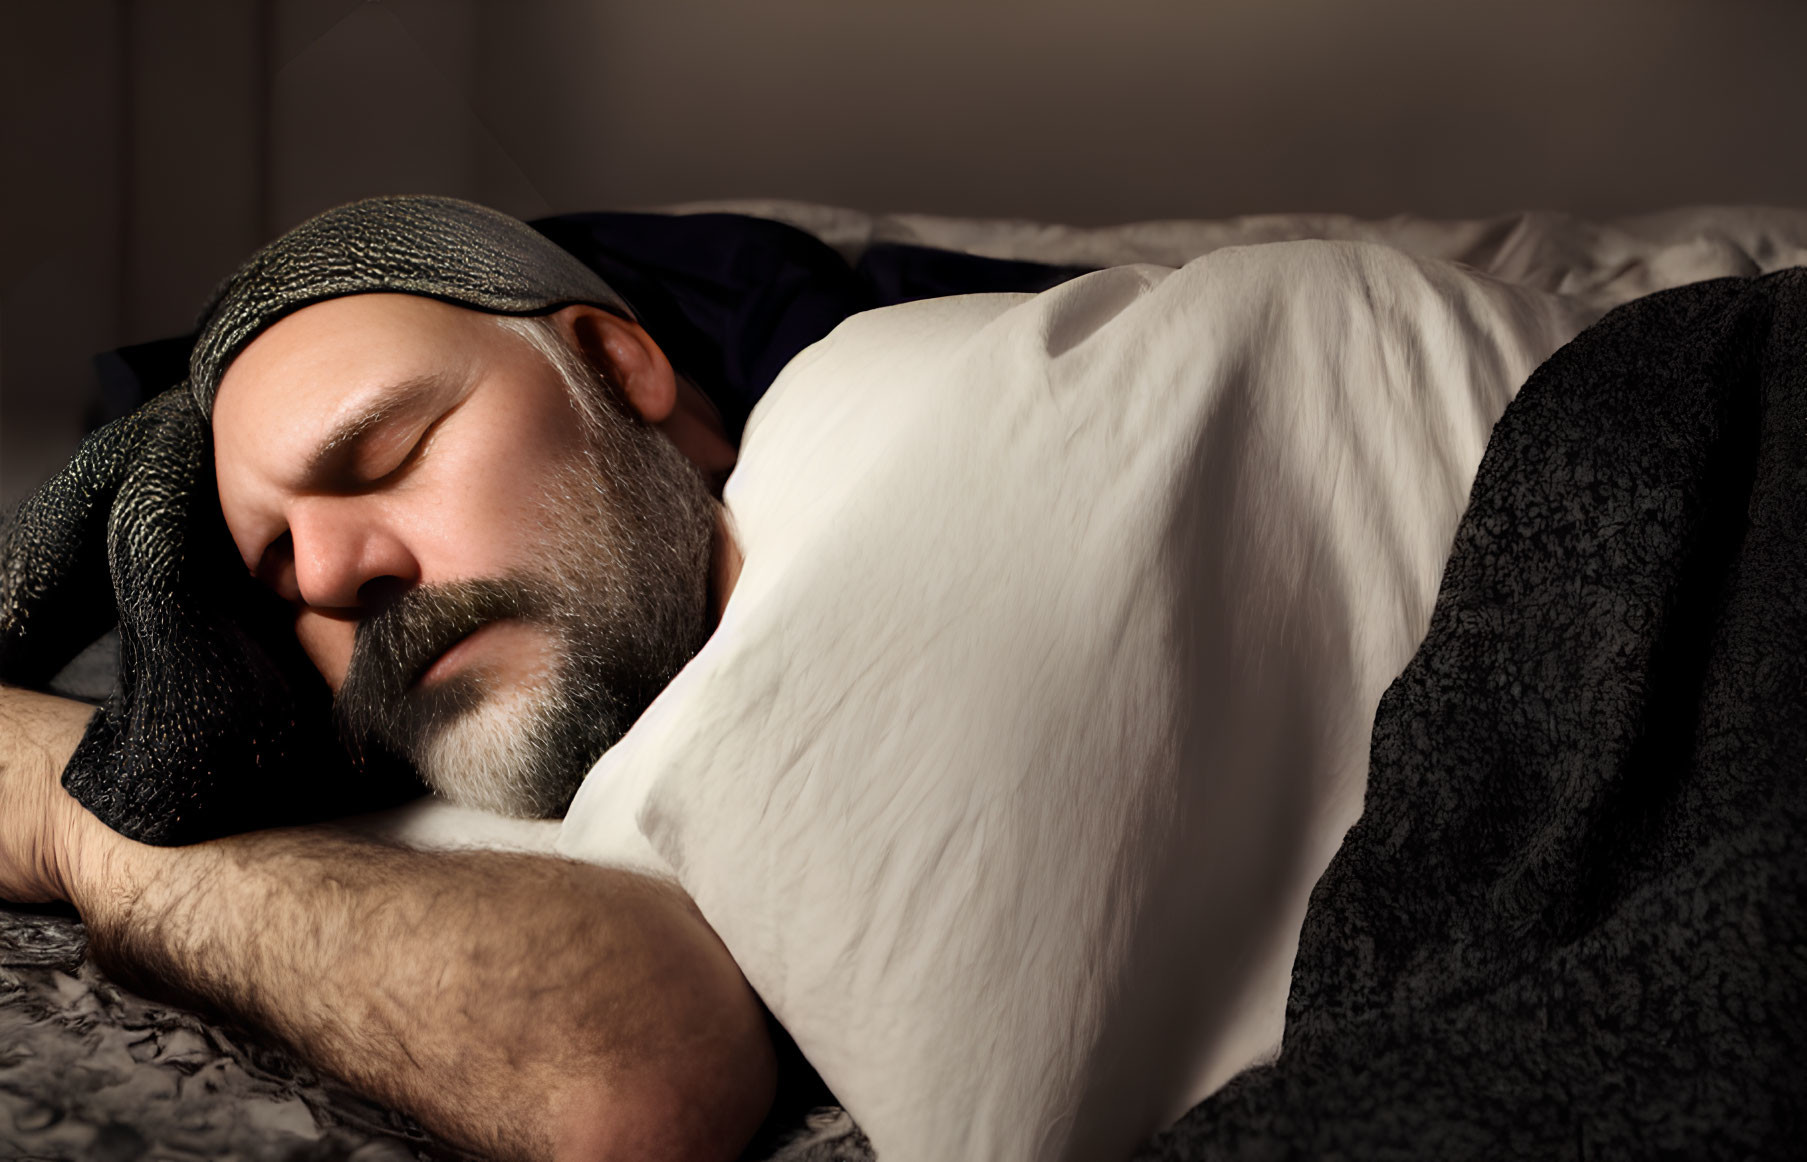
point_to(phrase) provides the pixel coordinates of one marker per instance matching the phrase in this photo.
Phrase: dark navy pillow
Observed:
(896, 273)
(729, 299)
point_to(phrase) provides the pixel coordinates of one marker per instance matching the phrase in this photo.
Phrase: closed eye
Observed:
(415, 451)
(379, 438)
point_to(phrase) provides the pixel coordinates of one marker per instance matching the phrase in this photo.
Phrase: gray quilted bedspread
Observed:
(90, 1072)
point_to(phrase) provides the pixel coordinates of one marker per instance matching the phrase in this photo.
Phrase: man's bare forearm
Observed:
(504, 1000)
(521, 1006)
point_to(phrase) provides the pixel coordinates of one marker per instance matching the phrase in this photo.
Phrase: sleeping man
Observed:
(495, 560)
(990, 734)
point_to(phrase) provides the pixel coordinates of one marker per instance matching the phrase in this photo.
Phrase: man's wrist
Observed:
(93, 865)
(40, 824)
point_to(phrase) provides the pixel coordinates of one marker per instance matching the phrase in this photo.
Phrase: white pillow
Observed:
(1044, 695)
(430, 823)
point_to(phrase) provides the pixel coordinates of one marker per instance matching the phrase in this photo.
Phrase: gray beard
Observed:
(622, 596)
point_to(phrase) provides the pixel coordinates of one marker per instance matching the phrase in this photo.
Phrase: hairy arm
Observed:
(520, 1006)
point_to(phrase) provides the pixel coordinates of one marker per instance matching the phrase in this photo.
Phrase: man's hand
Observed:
(519, 1006)
(218, 722)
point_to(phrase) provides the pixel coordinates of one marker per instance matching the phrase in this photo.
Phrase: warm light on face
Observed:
(414, 478)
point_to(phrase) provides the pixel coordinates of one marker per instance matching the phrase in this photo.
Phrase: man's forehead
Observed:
(358, 325)
(340, 346)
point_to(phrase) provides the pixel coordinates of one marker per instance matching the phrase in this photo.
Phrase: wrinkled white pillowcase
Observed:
(1044, 696)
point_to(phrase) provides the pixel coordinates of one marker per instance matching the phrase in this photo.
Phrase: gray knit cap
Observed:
(440, 248)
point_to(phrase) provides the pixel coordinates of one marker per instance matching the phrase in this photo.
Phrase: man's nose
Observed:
(344, 559)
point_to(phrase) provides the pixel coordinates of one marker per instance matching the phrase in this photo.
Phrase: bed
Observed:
(92, 1071)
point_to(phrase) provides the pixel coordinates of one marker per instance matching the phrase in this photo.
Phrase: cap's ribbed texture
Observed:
(439, 248)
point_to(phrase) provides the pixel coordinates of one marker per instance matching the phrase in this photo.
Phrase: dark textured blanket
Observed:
(1569, 922)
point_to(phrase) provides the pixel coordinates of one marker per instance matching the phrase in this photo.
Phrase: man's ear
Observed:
(628, 357)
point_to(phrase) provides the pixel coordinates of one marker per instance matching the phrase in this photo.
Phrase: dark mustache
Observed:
(394, 646)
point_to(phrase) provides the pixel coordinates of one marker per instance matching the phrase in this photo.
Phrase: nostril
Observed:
(379, 593)
(276, 569)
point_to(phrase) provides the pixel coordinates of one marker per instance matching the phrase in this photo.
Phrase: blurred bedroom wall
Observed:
(148, 145)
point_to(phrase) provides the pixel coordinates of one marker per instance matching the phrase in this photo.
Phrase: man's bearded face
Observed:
(619, 591)
(495, 559)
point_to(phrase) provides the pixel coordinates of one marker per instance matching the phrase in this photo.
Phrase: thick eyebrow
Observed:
(383, 405)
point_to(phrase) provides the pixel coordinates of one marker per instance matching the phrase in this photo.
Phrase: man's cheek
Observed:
(327, 641)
